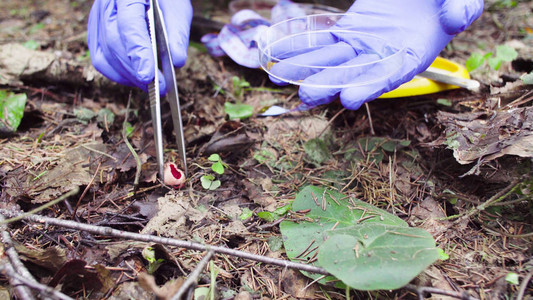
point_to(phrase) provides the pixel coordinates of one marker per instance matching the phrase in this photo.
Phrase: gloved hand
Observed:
(421, 27)
(119, 40)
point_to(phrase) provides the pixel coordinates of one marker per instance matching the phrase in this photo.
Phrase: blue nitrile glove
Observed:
(119, 40)
(422, 27)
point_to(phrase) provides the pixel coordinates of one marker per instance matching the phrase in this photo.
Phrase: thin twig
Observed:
(99, 152)
(331, 121)
(19, 217)
(130, 147)
(421, 290)
(12, 253)
(20, 288)
(494, 199)
(14, 263)
(313, 282)
(523, 286)
(107, 231)
(85, 190)
(190, 282)
(372, 132)
(41, 288)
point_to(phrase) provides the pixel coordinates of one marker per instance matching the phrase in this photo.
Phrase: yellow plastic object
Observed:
(422, 86)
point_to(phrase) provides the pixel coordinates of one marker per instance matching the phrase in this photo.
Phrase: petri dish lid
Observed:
(294, 51)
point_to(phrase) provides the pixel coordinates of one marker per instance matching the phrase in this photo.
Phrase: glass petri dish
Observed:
(264, 7)
(294, 51)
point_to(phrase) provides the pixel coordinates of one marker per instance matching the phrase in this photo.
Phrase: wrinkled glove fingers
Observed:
(134, 34)
(178, 28)
(353, 97)
(356, 71)
(302, 66)
(456, 15)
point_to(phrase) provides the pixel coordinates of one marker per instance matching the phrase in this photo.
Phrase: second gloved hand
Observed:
(421, 28)
(119, 39)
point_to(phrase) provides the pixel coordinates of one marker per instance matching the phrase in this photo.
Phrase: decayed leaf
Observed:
(172, 218)
(167, 291)
(18, 63)
(317, 150)
(293, 283)
(51, 258)
(473, 136)
(71, 171)
(73, 274)
(230, 137)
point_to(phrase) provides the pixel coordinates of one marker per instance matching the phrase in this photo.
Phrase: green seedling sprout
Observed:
(209, 181)
(153, 264)
(504, 53)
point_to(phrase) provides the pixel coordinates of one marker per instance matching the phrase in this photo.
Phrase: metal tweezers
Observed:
(160, 48)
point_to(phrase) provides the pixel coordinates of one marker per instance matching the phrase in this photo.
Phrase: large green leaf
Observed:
(297, 237)
(334, 222)
(375, 257)
(11, 110)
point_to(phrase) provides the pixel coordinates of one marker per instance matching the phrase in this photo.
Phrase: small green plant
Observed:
(84, 56)
(238, 110)
(504, 53)
(442, 255)
(153, 264)
(239, 86)
(512, 278)
(31, 44)
(35, 28)
(11, 110)
(209, 182)
(275, 215)
(246, 214)
(527, 78)
(218, 165)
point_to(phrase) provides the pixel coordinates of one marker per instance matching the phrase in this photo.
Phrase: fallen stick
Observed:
(21, 290)
(107, 231)
(45, 290)
(15, 265)
(193, 277)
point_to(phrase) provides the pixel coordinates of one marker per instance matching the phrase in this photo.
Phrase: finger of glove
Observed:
(134, 35)
(96, 37)
(356, 71)
(456, 15)
(103, 66)
(178, 16)
(108, 53)
(353, 97)
(300, 67)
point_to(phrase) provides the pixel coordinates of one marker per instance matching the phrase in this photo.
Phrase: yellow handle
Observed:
(421, 86)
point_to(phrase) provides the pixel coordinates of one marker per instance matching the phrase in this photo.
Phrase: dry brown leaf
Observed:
(229, 137)
(480, 135)
(18, 62)
(51, 258)
(293, 283)
(167, 291)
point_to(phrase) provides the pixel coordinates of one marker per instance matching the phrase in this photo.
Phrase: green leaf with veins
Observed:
(363, 246)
